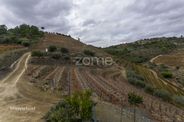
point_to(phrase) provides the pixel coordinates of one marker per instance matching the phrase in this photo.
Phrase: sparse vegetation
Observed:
(66, 57)
(37, 54)
(134, 99)
(5, 48)
(163, 94)
(64, 50)
(52, 48)
(56, 56)
(143, 50)
(167, 74)
(179, 99)
(135, 79)
(89, 53)
(25, 43)
(138, 81)
(149, 89)
(53, 53)
(9, 55)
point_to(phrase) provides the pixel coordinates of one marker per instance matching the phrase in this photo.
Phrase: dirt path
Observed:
(153, 59)
(19, 101)
(165, 82)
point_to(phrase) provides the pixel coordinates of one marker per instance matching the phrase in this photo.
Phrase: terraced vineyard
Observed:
(107, 84)
(152, 77)
(174, 63)
(175, 59)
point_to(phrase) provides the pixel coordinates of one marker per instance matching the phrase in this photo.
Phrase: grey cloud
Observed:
(89, 22)
(139, 19)
(48, 13)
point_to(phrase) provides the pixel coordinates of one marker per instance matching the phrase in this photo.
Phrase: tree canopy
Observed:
(23, 34)
(3, 29)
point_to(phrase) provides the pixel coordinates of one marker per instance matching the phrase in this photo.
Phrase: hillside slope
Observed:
(41, 85)
(143, 50)
(75, 46)
(107, 83)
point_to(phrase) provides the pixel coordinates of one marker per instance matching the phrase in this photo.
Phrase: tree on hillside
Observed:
(24, 30)
(23, 34)
(27, 31)
(3, 29)
(134, 100)
(34, 30)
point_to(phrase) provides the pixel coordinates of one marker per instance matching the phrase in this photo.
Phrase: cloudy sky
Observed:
(99, 22)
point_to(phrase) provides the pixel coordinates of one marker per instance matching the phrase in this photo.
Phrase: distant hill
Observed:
(143, 50)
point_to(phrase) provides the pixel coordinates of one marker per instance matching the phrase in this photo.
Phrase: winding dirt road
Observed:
(19, 100)
(153, 59)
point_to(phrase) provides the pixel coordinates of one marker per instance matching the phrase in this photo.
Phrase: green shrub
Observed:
(136, 82)
(52, 48)
(6, 40)
(163, 67)
(131, 80)
(163, 94)
(135, 79)
(66, 57)
(179, 99)
(37, 54)
(76, 108)
(134, 99)
(167, 74)
(89, 53)
(137, 59)
(177, 67)
(140, 83)
(64, 50)
(131, 73)
(19, 41)
(139, 77)
(56, 56)
(26, 43)
(149, 89)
